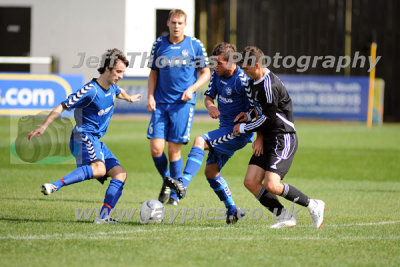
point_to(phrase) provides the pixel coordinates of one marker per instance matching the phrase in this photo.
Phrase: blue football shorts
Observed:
(223, 144)
(171, 122)
(87, 148)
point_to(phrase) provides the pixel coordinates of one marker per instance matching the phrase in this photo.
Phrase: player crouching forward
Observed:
(94, 106)
(268, 166)
(229, 83)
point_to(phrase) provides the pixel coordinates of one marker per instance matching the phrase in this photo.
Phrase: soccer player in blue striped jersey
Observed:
(228, 85)
(178, 69)
(93, 107)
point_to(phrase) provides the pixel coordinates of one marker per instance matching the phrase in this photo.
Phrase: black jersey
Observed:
(274, 106)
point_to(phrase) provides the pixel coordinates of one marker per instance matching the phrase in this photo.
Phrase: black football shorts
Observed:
(278, 154)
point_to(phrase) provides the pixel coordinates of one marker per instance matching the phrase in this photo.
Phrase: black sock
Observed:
(270, 201)
(293, 194)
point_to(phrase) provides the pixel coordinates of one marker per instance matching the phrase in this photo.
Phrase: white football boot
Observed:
(107, 219)
(48, 189)
(285, 220)
(316, 209)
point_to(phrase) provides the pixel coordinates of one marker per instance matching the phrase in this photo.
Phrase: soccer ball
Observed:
(152, 211)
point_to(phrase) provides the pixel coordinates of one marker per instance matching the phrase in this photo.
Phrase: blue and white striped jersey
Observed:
(232, 95)
(93, 106)
(177, 66)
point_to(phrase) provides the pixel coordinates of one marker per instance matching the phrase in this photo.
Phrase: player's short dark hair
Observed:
(176, 12)
(224, 49)
(253, 51)
(109, 59)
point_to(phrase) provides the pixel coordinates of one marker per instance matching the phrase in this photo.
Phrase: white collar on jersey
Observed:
(263, 77)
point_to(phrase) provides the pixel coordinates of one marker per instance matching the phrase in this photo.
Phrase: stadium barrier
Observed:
(51, 61)
(30, 94)
(315, 97)
(318, 97)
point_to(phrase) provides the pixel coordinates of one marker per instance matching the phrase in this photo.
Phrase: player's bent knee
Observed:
(250, 184)
(99, 169)
(121, 176)
(211, 171)
(273, 187)
(156, 151)
(199, 142)
(117, 172)
(210, 174)
(157, 147)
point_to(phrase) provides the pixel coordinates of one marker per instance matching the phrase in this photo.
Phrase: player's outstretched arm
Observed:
(212, 109)
(130, 98)
(52, 116)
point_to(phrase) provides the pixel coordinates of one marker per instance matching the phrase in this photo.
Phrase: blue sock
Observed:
(175, 168)
(78, 175)
(193, 164)
(220, 187)
(113, 194)
(161, 163)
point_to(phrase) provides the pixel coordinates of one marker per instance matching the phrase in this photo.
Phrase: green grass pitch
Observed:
(355, 170)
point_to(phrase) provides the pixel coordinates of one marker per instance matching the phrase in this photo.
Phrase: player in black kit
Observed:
(276, 143)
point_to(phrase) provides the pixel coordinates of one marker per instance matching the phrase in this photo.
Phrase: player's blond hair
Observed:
(176, 12)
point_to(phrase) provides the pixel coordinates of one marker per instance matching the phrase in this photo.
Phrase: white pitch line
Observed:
(114, 234)
(373, 237)
(364, 224)
(352, 224)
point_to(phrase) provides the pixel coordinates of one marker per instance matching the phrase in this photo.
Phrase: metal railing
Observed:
(30, 60)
